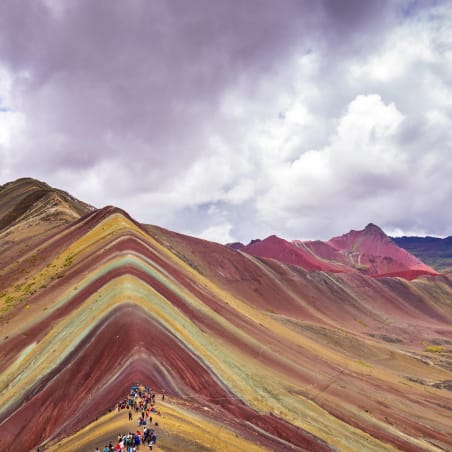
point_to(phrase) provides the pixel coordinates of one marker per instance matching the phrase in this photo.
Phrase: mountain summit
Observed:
(32, 200)
(374, 253)
(31, 210)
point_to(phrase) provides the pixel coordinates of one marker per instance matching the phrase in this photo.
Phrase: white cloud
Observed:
(11, 124)
(236, 127)
(219, 233)
(360, 160)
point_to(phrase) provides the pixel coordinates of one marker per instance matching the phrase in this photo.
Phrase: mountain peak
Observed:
(28, 182)
(373, 227)
(31, 209)
(32, 197)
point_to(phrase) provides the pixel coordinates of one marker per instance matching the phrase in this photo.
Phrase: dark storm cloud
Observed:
(135, 78)
(166, 107)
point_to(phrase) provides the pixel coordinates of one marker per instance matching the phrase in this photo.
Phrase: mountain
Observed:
(369, 251)
(30, 210)
(434, 251)
(30, 200)
(372, 251)
(253, 354)
(294, 253)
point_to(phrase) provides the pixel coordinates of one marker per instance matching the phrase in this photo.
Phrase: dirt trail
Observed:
(177, 426)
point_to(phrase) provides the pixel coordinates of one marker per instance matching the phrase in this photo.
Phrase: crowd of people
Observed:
(141, 402)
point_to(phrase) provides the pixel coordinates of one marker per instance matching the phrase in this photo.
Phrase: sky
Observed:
(233, 120)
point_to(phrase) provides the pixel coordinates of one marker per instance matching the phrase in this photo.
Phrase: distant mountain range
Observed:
(307, 345)
(369, 251)
(434, 251)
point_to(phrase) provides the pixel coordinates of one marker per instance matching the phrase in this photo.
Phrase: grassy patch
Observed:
(68, 261)
(362, 363)
(435, 348)
(10, 299)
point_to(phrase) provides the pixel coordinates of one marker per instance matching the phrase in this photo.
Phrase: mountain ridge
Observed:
(434, 251)
(21, 195)
(274, 354)
(369, 251)
(30, 210)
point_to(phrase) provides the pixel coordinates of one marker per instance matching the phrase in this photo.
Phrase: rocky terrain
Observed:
(339, 345)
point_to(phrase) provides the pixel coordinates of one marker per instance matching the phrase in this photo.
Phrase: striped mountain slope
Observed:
(250, 352)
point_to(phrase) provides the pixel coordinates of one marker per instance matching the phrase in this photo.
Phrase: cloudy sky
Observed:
(235, 119)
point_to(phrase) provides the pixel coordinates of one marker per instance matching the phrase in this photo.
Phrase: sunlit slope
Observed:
(281, 356)
(181, 428)
(31, 211)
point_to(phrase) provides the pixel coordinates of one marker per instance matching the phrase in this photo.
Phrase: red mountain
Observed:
(369, 251)
(294, 253)
(374, 253)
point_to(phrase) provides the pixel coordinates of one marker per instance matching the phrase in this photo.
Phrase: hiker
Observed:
(146, 436)
(153, 440)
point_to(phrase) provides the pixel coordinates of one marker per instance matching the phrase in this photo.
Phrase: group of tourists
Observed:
(141, 401)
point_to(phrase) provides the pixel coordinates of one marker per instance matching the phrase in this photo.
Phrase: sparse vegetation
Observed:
(28, 288)
(434, 348)
(68, 261)
(10, 299)
(362, 363)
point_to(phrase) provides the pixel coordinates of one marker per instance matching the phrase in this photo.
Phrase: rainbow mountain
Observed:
(253, 353)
